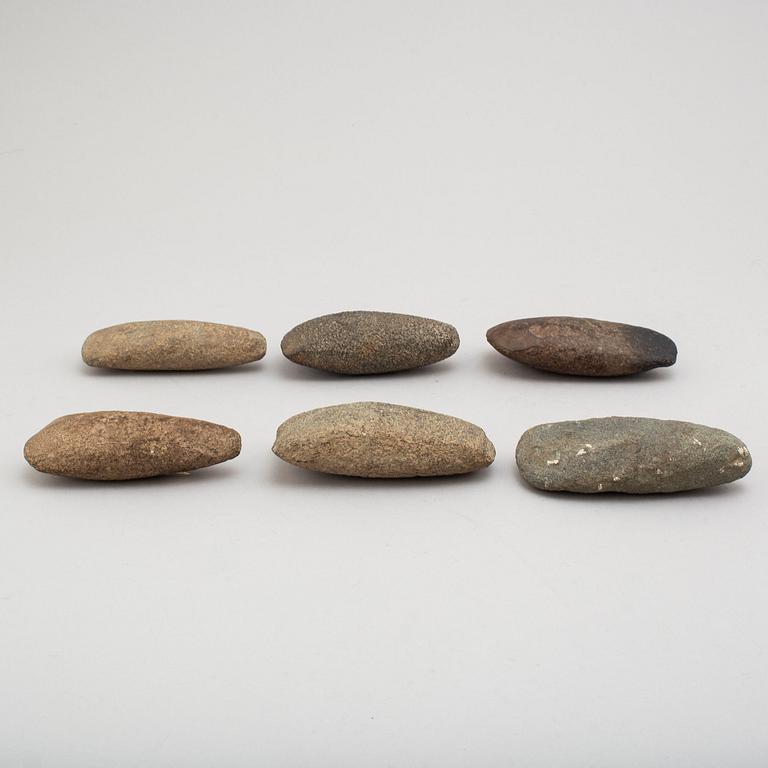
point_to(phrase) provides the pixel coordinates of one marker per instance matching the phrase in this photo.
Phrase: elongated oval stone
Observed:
(581, 346)
(369, 342)
(382, 440)
(125, 445)
(629, 455)
(172, 345)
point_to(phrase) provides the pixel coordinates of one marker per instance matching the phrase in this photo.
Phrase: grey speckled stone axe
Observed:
(629, 455)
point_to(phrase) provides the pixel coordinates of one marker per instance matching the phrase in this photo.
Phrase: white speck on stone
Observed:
(738, 463)
(599, 486)
(581, 452)
(743, 451)
(556, 460)
(697, 442)
(616, 478)
(588, 445)
(658, 471)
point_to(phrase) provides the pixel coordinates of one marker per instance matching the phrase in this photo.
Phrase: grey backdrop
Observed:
(260, 163)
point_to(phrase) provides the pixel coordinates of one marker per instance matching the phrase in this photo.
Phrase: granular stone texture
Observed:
(369, 342)
(382, 440)
(581, 346)
(125, 445)
(629, 455)
(172, 345)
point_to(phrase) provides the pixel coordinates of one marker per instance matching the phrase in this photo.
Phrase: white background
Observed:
(261, 163)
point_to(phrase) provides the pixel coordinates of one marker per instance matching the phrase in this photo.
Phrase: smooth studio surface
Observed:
(261, 164)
